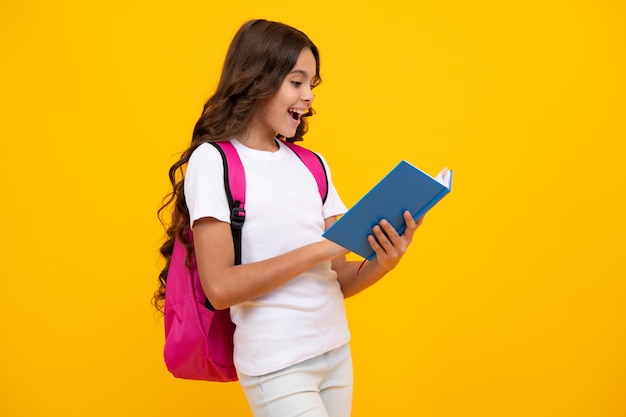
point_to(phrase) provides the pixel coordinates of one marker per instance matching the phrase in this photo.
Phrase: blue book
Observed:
(404, 188)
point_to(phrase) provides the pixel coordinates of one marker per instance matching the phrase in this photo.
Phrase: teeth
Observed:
(297, 111)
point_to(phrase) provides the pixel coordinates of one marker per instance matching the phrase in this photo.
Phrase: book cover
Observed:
(405, 187)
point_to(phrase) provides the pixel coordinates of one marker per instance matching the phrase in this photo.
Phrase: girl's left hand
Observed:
(389, 245)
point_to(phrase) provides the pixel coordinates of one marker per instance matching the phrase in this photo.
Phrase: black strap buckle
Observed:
(237, 216)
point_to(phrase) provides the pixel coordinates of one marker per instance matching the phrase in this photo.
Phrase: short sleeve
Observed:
(204, 185)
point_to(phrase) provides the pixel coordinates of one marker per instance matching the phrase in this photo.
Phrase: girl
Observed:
(286, 298)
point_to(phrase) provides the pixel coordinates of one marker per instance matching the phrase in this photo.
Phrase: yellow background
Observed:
(512, 299)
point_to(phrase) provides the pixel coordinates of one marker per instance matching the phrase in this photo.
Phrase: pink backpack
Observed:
(198, 338)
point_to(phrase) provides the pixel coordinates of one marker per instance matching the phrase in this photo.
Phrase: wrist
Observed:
(329, 250)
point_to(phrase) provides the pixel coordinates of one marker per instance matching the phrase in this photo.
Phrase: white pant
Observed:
(317, 387)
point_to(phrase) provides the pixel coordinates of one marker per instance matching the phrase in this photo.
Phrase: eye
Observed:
(296, 83)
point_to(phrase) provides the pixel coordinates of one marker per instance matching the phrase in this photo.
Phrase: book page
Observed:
(444, 177)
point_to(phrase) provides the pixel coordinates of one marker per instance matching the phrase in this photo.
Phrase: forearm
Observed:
(353, 280)
(239, 283)
(226, 284)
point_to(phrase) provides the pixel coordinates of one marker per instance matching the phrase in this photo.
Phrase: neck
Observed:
(260, 141)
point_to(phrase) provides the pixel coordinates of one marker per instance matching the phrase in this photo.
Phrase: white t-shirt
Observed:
(284, 211)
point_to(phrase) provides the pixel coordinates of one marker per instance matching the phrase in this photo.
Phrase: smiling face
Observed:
(282, 112)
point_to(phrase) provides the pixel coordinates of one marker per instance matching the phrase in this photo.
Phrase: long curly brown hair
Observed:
(259, 58)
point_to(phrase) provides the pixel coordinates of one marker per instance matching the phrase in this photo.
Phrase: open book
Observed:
(405, 187)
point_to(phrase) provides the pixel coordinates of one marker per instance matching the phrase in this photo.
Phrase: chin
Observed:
(288, 134)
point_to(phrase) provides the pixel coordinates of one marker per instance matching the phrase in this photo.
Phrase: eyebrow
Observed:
(299, 71)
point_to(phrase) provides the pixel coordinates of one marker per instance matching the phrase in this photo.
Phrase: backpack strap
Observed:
(314, 163)
(235, 187)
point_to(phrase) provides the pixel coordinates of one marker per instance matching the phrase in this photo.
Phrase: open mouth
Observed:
(296, 114)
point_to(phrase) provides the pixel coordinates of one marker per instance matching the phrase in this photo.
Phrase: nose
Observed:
(308, 96)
